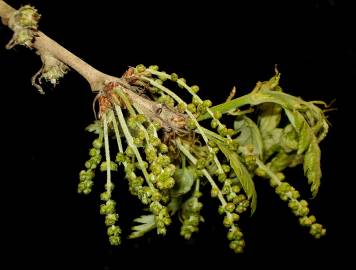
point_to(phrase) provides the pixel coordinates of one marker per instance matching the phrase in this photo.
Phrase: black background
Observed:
(214, 45)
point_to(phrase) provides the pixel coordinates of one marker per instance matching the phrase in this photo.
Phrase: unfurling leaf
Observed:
(308, 142)
(96, 127)
(271, 142)
(184, 179)
(289, 139)
(270, 117)
(147, 224)
(311, 166)
(242, 174)
(249, 134)
(283, 160)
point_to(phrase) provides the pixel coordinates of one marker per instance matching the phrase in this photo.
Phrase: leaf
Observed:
(289, 139)
(283, 160)
(312, 166)
(147, 224)
(308, 142)
(184, 178)
(271, 142)
(249, 134)
(96, 127)
(174, 205)
(269, 117)
(242, 174)
(303, 129)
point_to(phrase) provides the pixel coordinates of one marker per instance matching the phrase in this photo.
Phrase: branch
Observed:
(46, 45)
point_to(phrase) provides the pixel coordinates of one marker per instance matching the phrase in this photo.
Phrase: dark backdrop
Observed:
(216, 45)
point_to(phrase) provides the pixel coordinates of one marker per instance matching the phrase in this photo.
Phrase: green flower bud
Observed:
(231, 196)
(217, 115)
(174, 77)
(196, 101)
(235, 217)
(155, 141)
(222, 177)
(240, 209)
(163, 148)
(158, 81)
(98, 143)
(140, 68)
(103, 209)
(236, 188)
(115, 240)
(221, 210)
(181, 107)
(103, 166)
(214, 192)
(214, 123)
(109, 186)
(120, 157)
(207, 103)
(230, 207)
(192, 108)
(191, 124)
(86, 191)
(153, 67)
(226, 168)
(195, 89)
(113, 230)
(110, 219)
(181, 82)
(155, 207)
(228, 221)
(163, 77)
(105, 196)
(93, 152)
(231, 132)
(222, 130)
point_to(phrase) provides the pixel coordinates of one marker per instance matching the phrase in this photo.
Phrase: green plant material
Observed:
(249, 134)
(242, 174)
(307, 142)
(147, 223)
(184, 178)
(167, 150)
(164, 169)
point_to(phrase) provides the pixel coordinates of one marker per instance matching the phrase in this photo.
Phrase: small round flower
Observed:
(140, 68)
(192, 108)
(97, 143)
(115, 240)
(230, 207)
(207, 103)
(110, 219)
(154, 67)
(228, 221)
(214, 192)
(195, 89)
(217, 115)
(174, 77)
(214, 123)
(181, 82)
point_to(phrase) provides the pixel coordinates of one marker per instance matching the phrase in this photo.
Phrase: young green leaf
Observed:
(271, 142)
(269, 117)
(308, 142)
(147, 224)
(184, 179)
(249, 134)
(95, 127)
(312, 166)
(242, 174)
(283, 160)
